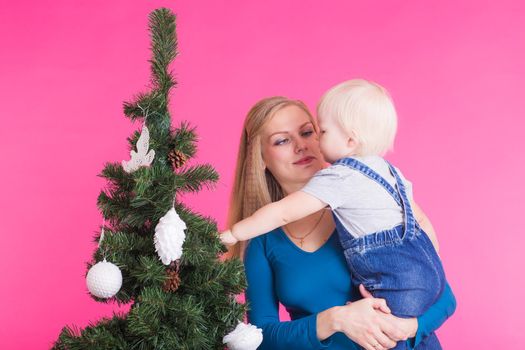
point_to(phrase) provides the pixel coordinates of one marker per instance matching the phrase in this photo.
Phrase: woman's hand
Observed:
(407, 326)
(227, 238)
(365, 323)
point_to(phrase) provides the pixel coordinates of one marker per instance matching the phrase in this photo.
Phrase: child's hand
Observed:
(227, 238)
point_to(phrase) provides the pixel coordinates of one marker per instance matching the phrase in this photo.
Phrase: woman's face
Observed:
(290, 148)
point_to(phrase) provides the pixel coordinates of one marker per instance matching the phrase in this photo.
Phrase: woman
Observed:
(301, 265)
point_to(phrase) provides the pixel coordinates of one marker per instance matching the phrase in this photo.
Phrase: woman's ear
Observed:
(263, 161)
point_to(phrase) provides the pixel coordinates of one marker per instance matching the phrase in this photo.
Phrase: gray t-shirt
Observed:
(361, 204)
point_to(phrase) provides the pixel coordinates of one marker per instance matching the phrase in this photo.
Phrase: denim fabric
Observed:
(399, 264)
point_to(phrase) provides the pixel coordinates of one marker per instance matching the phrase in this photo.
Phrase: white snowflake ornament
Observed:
(142, 157)
(104, 279)
(243, 337)
(169, 237)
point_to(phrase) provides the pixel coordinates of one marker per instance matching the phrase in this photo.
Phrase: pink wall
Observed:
(455, 70)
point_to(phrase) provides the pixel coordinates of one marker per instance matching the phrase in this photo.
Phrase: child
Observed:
(386, 238)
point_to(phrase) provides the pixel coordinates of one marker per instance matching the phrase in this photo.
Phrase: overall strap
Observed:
(399, 196)
(410, 221)
(367, 171)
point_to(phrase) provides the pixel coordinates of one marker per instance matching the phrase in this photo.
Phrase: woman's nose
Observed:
(300, 146)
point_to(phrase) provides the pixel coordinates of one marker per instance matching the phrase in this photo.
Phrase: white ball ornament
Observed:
(104, 279)
(169, 237)
(244, 337)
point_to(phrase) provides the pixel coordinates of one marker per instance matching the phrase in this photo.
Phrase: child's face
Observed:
(334, 142)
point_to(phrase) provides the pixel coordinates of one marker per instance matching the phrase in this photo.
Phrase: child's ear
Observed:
(352, 141)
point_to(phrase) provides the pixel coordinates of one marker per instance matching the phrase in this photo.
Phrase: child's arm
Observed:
(291, 208)
(425, 224)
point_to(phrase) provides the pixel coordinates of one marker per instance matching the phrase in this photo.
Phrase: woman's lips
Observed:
(305, 160)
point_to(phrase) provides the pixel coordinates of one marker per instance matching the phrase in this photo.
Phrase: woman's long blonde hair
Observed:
(254, 186)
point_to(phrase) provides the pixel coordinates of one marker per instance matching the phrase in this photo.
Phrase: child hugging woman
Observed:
(388, 242)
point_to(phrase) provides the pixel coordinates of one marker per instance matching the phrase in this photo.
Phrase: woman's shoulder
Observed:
(266, 244)
(265, 239)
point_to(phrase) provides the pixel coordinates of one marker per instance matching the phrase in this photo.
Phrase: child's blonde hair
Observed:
(365, 111)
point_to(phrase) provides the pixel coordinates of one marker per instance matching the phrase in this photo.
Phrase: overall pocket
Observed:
(361, 271)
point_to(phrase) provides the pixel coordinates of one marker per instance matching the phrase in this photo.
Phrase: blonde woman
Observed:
(301, 264)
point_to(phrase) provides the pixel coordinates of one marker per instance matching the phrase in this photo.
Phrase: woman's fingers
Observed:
(365, 322)
(369, 346)
(372, 344)
(388, 327)
(375, 339)
(380, 304)
(384, 342)
(365, 293)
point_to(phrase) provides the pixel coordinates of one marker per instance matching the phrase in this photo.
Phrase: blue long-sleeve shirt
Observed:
(306, 284)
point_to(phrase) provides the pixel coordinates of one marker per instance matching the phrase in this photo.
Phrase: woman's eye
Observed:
(307, 133)
(323, 131)
(280, 142)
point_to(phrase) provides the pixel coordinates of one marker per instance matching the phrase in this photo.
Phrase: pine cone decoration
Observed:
(177, 158)
(172, 283)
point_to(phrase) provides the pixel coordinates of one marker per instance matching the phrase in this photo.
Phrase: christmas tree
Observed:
(187, 299)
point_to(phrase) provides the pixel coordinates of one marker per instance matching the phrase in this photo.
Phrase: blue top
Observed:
(307, 283)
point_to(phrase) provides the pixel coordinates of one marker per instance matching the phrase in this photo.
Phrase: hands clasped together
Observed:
(369, 323)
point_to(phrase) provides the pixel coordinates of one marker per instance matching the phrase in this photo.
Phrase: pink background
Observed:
(455, 70)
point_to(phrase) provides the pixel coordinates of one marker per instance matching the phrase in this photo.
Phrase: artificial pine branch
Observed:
(117, 177)
(194, 178)
(185, 139)
(108, 333)
(164, 48)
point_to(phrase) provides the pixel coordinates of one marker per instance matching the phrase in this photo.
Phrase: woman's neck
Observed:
(318, 229)
(290, 188)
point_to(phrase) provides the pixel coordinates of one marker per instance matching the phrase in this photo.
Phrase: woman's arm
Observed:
(264, 307)
(425, 224)
(366, 323)
(435, 316)
(416, 329)
(445, 306)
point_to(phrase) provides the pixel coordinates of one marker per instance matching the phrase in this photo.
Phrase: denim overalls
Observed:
(399, 264)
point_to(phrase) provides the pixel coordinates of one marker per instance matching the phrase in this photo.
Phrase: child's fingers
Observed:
(227, 238)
